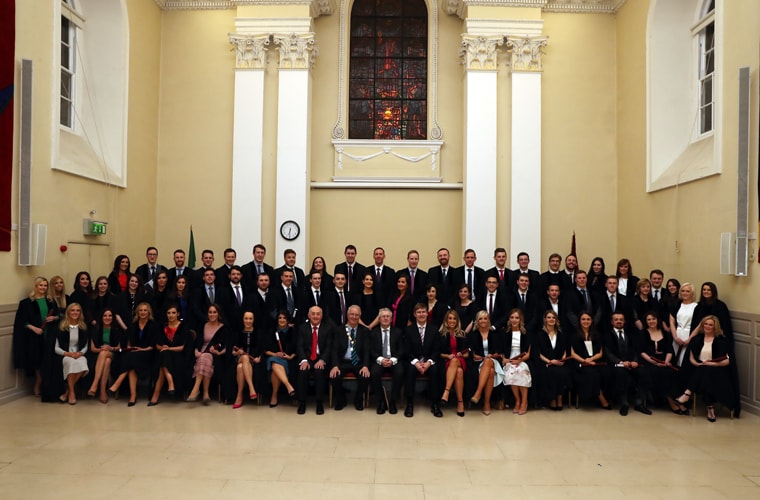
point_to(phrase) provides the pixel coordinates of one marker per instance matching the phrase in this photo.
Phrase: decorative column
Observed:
(247, 140)
(526, 144)
(479, 55)
(297, 53)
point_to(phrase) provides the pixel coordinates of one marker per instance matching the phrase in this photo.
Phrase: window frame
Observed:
(68, 69)
(704, 36)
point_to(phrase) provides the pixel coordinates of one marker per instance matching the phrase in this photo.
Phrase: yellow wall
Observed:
(61, 200)
(679, 228)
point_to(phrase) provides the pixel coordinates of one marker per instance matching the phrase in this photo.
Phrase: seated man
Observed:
(386, 351)
(620, 351)
(313, 347)
(421, 347)
(350, 354)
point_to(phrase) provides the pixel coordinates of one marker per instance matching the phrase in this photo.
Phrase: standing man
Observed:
(256, 266)
(500, 270)
(338, 300)
(620, 352)
(148, 271)
(289, 297)
(386, 354)
(179, 268)
(385, 277)
(313, 348)
(417, 278)
(523, 263)
(496, 303)
(350, 354)
(290, 263)
(223, 272)
(580, 299)
(204, 296)
(443, 276)
(234, 300)
(472, 275)
(207, 261)
(571, 267)
(264, 304)
(353, 271)
(422, 353)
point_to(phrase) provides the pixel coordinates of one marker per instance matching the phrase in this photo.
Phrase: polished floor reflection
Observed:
(183, 450)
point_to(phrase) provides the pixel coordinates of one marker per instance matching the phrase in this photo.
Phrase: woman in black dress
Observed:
(159, 292)
(171, 348)
(105, 344)
(126, 301)
(551, 353)
(34, 337)
(657, 355)
(82, 295)
(465, 307)
(102, 299)
(597, 276)
(138, 359)
(590, 371)
(368, 302)
(488, 352)
(711, 376)
(57, 293)
(626, 279)
(280, 351)
(120, 274)
(402, 303)
(436, 308)
(318, 265)
(641, 303)
(246, 352)
(454, 348)
(180, 296)
(211, 348)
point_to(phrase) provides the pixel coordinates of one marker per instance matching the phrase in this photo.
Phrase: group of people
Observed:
(468, 332)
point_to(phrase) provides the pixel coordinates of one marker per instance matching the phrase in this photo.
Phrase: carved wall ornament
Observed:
(478, 52)
(297, 50)
(526, 52)
(250, 50)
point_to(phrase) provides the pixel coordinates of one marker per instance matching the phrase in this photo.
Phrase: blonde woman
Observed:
(454, 348)
(488, 351)
(516, 369)
(680, 322)
(71, 343)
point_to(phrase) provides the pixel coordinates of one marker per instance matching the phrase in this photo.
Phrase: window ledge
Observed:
(387, 160)
(697, 161)
(77, 157)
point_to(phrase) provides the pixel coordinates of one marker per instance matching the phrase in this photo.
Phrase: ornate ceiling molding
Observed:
(317, 7)
(459, 7)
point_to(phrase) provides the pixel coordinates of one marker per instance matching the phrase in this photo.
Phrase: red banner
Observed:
(7, 64)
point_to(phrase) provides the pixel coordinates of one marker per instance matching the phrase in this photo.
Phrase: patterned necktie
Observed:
(386, 344)
(354, 352)
(313, 356)
(238, 296)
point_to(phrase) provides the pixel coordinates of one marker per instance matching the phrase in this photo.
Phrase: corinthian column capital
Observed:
(526, 52)
(478, 52)
(297, 50)
(250, 50)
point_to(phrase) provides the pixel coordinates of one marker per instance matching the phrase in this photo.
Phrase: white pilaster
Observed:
(526, 145)
(480, 140)
(293, 138)
(247, 141)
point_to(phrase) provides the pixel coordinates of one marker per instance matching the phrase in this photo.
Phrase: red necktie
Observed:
(313, 343)
(501, 274)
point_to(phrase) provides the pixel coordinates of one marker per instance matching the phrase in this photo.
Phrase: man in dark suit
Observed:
(443, 277)
(385, 277)
(386, 355)
(350, 354)
(264, 304)
(523, 261)
(337, 300)
(527, 301)
(496, 303)
(500, 270)
(472, 275)
(571, 267)
(580, 299)
(560, 306)
(256, 267)
(314, 293)
(203, 297)
(223, 272)
(290, 263)
(179, 269)
(621, 353)
(417, 278)
(422, 354)
(148, 271)
(554, 275)
(196, 276)
(288, 297)
(611, 302)
(313, 351)
(234, 300)
(656, 277)
(353, 271)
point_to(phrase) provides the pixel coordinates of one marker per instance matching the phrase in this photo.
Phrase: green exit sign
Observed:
(94, 227)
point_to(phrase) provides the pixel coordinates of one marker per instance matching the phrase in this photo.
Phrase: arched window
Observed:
(388, 70)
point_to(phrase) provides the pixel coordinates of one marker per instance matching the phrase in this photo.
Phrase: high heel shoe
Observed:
(253, 396)
(152, 403)
(445, 402)
(474, 400)
(524, 408)
(131, 403)
(711, 414)
(191, 399)
(684, 398)
(460, 403)
(237, 405)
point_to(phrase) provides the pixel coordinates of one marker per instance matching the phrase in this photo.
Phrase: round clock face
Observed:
(290, 230)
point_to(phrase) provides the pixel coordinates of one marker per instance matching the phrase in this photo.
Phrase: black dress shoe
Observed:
(272, 405)
(131, 403)
(359, 405)
(392, 407)
(320, 408)
(409, 412)
(624, 410)
(301, 408)
(436, 410)
(339, 406)
(152, 403)
(642, 409)
(381, 408)
(171, 393)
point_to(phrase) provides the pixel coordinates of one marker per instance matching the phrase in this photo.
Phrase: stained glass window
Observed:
(388, 76)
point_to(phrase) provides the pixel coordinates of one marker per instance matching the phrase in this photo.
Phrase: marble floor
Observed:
(184, 450)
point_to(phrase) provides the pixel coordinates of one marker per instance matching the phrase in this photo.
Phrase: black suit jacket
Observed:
(561, 278)
(298, 281)
(604, 312)
(264, 310)
(143, 271)
(340, 345)
(201, 302)
(576, 304)
(250, 273)
(478, 279)
(530, 309)
(496, 343)
(325, 334)
(414, 347)
(614, 352)
(506, 283)
(533, 275)
(562, 315)
(233, 313)
(331, 304)
(222, 276)
(281, 302)
(396, 343)
(385, 287)
(446, 288)
(172, 274)
(501, 308)
(357, 275)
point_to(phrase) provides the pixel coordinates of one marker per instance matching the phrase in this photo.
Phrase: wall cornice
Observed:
(459, 7)
(317, 7)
